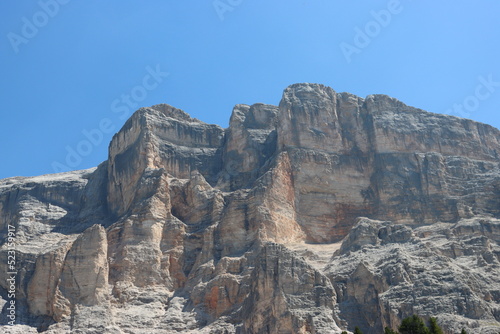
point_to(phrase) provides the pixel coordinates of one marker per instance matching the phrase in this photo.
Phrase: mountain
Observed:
(326, 212)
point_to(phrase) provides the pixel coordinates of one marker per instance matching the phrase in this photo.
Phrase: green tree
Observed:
(413, 325)
(463, 331)
(357, 330)
(343, 332)
(434, 327)
(388, 330)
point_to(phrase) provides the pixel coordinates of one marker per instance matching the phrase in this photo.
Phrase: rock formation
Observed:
(328, 212)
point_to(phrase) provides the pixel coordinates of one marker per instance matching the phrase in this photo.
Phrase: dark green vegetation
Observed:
(413, 325)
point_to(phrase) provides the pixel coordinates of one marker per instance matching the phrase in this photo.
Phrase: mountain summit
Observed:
(326, 212)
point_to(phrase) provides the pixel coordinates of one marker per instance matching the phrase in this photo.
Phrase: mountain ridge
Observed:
(189, 227)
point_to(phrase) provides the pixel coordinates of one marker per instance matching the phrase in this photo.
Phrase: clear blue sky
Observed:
(68, 68)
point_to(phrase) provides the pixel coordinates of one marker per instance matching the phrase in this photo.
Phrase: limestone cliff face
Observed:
(326, 212)
(378, 157)
(160, 137)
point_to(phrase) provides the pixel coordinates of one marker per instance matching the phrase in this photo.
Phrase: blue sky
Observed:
(72, 71)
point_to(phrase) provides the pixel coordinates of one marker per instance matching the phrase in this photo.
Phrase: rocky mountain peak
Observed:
(307, 92)
(326, 212)
(175, 113)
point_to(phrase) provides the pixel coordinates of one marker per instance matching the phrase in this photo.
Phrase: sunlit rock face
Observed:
(326, 212)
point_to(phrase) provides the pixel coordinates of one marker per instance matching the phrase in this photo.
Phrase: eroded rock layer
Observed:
(326, 212)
